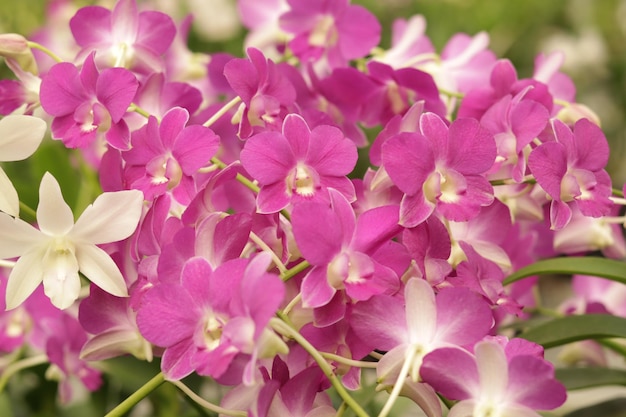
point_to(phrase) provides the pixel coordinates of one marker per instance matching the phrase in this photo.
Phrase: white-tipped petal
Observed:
(98, 266)
(54, 216)
(493, 370)
(9, 200)
(111, 218)
(26, 275)
(421, 311)
(20, 136)
(17, 237)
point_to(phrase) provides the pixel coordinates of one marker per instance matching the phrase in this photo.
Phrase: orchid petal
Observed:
(20, 136)
(421, 311)
(112, 217)
(54, 216)
(9, 200)
(17, 237)
(25, 277)
(98, 266)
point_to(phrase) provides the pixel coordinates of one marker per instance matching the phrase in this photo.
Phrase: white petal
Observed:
(9, 200)
(112, 217)
(493, 371)
(54, 216)
(17, 237)
(98, 266)
(26, 275)
(20, 136)
(61, 282)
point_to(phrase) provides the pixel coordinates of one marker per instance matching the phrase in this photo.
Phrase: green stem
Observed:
(509, 181)
(395, 392)
(18, 366)
(202, 402)
(284, 329)
(126, 405)
(29, 212)
(614, 346)
(295, 270)
(245, 181)
(348, 361)
(222, 111)
(135, 108)
(35, 45)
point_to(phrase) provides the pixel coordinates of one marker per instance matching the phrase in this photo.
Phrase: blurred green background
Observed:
(592, 33)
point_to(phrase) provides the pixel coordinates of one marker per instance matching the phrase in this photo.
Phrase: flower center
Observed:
(212, 330)
(325, 33)
(304, 181)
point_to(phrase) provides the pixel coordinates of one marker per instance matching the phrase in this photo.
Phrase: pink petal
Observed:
(318, 232)
(61, 91)
(91, 26)
(409, 160)
(116, 88)
(451, 372)
(297, 133)
(330, 153)
(195, 146)
(156, 31)
(316, 291)
(268, 157)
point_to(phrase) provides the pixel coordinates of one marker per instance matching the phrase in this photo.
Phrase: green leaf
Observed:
(569, 329)
(584, 265)
(579, 378)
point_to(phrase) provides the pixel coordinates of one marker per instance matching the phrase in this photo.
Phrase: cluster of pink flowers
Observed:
(238, 219)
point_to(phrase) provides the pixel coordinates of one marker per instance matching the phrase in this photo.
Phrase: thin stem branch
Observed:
(295, 270)
(262, 245)
(35, 45)
(225, 108)
(15, 367)
(204, 403)
(347, 361)
(395, 393)
(126, 405)
(135, 108)
(284, 329)
(28, 211)
(292, 304)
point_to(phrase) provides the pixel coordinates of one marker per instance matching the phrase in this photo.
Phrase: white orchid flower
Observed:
(60, 248)
(20, 137)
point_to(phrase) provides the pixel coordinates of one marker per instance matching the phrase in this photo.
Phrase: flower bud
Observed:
(15, 47)
(573, 112)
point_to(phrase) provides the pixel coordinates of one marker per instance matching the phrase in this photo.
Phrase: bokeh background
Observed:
(592, 33)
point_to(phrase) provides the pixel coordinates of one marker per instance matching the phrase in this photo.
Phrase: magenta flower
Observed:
(341, 251)
(63, 345)
(382, 93)
(299, 164)
(210, 317)
(500, 379)
(88, 104)
(454, 317)
(441, 169)
(265, 93)
(571, 170)
(503, 81)
(112, 323)
(166, 155)
(124, 37)
(514, 121)
(330, 32)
